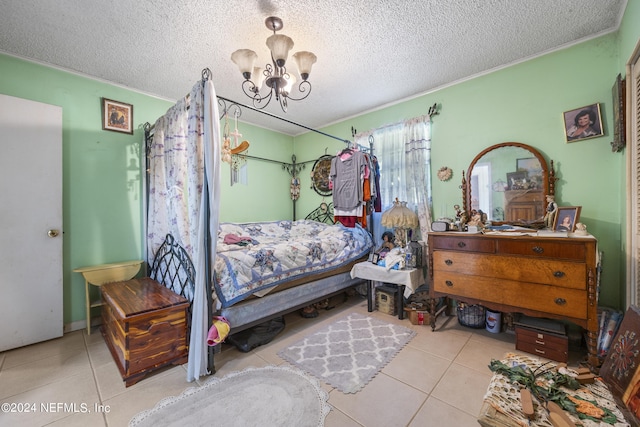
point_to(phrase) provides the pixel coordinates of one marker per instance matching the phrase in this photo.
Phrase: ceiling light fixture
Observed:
(275, 75)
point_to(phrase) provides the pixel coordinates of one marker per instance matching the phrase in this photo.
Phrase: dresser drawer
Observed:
(558, 273)
(549, 299)
(549, 353)
(554, 347)
(460, 242)
(461, 285)
(542, 248)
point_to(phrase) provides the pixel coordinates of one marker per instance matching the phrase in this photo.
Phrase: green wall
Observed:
(266, 195)
(102, 185)
(524, 103)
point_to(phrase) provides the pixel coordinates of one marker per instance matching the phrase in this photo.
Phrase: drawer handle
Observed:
(540, 342)
(448, 262)
(560, 301)
(540, 351)
(538, 249)
(461, 244)
(558, 274)
(449, 283)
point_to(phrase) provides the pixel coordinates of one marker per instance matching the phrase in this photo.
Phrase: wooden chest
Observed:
(543, 344)
(144, 325)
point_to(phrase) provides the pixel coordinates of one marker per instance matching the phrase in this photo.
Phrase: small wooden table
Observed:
(145, 326)
(407, 280)
(98, 275)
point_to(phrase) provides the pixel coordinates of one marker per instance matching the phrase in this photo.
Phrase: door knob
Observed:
(53, 233)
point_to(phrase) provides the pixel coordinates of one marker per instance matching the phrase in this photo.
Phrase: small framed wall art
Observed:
(566, 218)
(117, 116)
(583, 123)
(320, 175)
(618, 92)
(516, 180)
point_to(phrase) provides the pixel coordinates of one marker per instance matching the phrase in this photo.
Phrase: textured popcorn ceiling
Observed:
(370, 52)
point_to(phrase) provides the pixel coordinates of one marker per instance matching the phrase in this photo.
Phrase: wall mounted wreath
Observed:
(444, 173)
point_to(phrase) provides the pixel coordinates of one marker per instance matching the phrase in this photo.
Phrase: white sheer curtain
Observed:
(403, 151)
(186, 141)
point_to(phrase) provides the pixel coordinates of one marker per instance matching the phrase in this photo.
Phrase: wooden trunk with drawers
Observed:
(551, 277)
(144, 325)
(541, 343)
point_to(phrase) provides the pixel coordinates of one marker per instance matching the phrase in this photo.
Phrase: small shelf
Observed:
(98, 275)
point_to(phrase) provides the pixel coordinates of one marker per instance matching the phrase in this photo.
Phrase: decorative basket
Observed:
(472, 316)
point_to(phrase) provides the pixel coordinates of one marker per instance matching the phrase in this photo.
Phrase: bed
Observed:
(281, 266)
(284, 266)
(262, 270)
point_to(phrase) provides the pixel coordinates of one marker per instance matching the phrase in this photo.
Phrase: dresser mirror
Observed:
(508, 182)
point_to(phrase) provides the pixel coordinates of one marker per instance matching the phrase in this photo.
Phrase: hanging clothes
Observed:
(377, 200)
(347, 175)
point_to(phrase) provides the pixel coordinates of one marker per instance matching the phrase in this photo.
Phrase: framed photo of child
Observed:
(566, 218)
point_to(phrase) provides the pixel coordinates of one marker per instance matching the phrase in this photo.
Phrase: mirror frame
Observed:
(548, 183)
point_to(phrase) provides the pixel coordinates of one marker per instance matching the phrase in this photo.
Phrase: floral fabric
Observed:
(279, 251)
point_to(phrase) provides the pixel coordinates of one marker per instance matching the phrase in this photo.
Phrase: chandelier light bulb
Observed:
(279, 45)
(304, 60)
(244, 59)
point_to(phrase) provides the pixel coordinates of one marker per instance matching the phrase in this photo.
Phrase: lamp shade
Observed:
(244, 59)
(279, 45)
(258, 77)
(304, 62)
(399, 216)
(290, 82)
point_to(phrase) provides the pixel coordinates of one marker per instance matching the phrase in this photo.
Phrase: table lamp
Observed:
(400, 218)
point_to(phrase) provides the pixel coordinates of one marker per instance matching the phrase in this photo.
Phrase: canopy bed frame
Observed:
(301, 291)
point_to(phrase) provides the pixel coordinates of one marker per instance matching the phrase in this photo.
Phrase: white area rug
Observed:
(348, 353)
(273, 396)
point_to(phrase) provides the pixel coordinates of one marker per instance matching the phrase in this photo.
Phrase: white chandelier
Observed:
(274, 75)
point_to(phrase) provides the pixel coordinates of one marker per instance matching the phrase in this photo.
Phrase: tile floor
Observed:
(438, 379)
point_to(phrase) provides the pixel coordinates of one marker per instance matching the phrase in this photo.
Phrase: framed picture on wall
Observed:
(117, 116)
(619, 111)
(566, 218)
(516, 180)
(583, 123)
(532, 166)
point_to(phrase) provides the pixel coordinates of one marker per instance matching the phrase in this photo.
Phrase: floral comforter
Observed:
(253, 257)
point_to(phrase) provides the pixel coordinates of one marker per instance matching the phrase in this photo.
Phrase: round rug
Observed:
(271, 396)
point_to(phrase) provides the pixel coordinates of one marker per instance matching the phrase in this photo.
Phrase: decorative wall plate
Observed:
(444, 173)
(320, 175)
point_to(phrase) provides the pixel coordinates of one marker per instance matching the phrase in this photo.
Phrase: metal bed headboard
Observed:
(323, 213)
(173, 268)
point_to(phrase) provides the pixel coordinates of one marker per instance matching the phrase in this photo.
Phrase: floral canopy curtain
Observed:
(403, 151)
(185, 153)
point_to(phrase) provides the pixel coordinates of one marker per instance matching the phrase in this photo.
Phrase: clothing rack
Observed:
(222, 102)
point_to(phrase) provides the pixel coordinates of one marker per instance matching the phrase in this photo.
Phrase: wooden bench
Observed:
(144, 325)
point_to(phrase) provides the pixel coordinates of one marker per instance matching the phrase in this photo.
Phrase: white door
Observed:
(30, 222)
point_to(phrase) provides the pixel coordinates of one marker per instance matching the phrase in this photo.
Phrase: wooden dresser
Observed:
(552, 277)
(144, 325)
